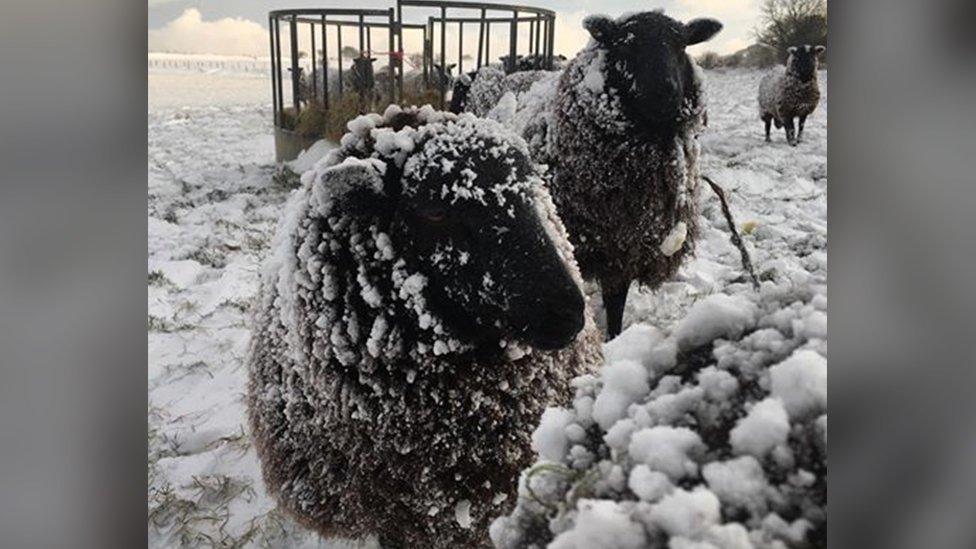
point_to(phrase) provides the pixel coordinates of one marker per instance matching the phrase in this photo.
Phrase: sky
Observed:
(239, 27)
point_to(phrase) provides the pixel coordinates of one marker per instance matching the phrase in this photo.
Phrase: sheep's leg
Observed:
(614, 300)
(769, 122)
(790, 131)
(799, 133)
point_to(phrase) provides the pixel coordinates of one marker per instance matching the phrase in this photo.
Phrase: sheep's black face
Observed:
(442, 75)
(459, 95)
(468, 217)
(362, 68)
(647, 63)
(802, 61)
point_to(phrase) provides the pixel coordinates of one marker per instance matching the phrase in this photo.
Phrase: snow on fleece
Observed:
(491, 84)
(368, 413)
(712, 435)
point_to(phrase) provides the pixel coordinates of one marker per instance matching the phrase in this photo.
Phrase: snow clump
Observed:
(715, 438)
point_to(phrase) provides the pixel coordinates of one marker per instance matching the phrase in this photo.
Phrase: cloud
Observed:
(189, 33)
(718, 8)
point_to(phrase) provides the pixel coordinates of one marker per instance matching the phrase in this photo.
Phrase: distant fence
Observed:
(166, 62)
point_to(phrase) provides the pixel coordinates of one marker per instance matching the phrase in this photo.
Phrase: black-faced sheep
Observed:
(442, 74)
(361, 79)
(791, 92)
(460, 92)
(619, 132)
(421, 309)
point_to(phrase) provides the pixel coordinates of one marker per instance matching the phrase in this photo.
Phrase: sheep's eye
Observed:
(433, 215)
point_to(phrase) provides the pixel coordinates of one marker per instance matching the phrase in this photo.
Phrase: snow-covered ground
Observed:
(214, 198)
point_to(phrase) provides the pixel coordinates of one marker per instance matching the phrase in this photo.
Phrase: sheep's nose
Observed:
(557, 321)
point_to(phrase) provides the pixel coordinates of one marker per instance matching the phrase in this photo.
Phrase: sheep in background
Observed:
(619, 133)
(491, 83)
(485, 90)
(461, 91)
(420, 309)
(791, 92)
(361, 79)
(413, 81)
(483, 97)
(534, 61)
(442, 74)
(304, 86)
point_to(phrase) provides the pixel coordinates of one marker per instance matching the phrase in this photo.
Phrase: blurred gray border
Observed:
(902, 249)
(73, 274)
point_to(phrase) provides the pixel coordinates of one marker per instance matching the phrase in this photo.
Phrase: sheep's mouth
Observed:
(551, 343)
(554, 331)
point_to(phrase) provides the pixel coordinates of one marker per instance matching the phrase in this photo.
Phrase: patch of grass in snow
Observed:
(176, 372)
(217, 195)
(157, 278)
(156, 324)
(208, 256)
(199, 513)
(187, 307)
(219, 489)
(241, 305)
(286, 178)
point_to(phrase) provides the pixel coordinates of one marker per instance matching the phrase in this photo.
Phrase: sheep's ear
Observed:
(601, 28)
(791, 50)
(372, 59)
(451, 67)
(701, 30)
(820, 49)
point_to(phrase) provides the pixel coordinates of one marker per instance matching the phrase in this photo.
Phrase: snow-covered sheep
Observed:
(496, 81)
(791, 92)
(421, 307)
(619, 132)
(532, 61)
(413, 81)
(712, 435)
(491, 83)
